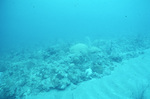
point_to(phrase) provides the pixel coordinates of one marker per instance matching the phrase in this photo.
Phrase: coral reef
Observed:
(56, 67)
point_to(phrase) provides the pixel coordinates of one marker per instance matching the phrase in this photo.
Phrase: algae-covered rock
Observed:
(94, 49)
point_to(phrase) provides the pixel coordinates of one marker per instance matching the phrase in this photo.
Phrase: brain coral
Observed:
(79, 49)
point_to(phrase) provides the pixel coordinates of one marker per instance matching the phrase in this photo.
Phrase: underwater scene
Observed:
(74, 49)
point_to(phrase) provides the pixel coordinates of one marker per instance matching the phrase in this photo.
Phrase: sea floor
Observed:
(130, 80)
(98, 69)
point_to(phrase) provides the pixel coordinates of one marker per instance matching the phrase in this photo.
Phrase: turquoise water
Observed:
(35, 20)
(52, 44)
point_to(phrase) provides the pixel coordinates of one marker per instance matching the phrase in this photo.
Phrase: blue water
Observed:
(39, 35)
(36, 20)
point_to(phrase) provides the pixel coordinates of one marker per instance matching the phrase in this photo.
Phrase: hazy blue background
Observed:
(26, 21)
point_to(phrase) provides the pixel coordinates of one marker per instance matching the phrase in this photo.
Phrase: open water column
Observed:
(74, 49)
